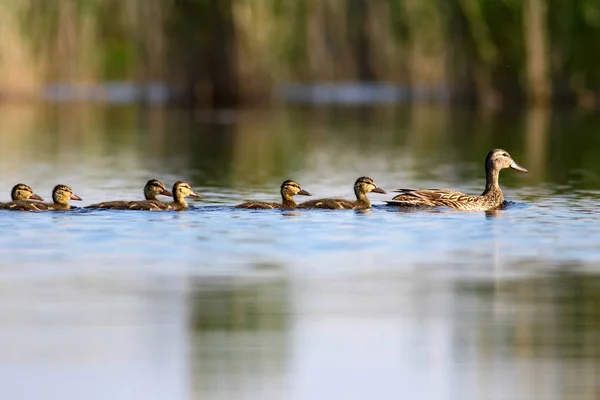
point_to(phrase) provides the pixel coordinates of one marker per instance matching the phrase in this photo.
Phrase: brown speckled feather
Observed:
(24, 205)
(132, 205)
(448, 198)
(328, 204)
(491, 198)
(151, 205)
(260, 205)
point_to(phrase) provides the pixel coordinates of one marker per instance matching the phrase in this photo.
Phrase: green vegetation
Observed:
(216, 52)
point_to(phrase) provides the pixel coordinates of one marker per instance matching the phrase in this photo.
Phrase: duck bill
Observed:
(75, 197)
(35, 197)
(166, 193)
(192, 194)
(517, 167)
(304, 193)
(379, 190)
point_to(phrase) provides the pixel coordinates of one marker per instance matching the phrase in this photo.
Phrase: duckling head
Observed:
(61, 194)
(23, 192)
(154, 188)
(364, 185)
(291, 188)
(182, 190)
(498, 159)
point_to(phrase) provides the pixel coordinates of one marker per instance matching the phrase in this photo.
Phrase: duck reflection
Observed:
(239, 337)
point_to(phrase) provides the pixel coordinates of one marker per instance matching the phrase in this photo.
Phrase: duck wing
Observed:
(25, 205)
(148, 205)
(111, 205)
(434, 198)
(258, 205)
(328, 204)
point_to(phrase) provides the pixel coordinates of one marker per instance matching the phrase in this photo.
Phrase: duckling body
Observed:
(21, 193)
(152, 189)
(181, 190)
(490, 199)
(362, 186)
(334, 204)
(148, 205)
(61, 194)
(288, 190)
(25, 205)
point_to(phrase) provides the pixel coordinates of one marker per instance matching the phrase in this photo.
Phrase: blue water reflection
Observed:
(218, 302)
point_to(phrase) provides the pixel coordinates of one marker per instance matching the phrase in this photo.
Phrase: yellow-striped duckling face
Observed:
(182, 189)
(499, 159)
(154, 188)
(62, 194)
(364, 185)
(23, 192)
(291, 188)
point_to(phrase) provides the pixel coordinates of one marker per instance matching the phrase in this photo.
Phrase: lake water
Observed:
(217, 303)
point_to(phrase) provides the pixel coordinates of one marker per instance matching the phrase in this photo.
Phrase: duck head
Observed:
(182, 190)
(23, 192)
(61, 194)
(364, 185)
(498, 159)
(154, 188)
(291, 188)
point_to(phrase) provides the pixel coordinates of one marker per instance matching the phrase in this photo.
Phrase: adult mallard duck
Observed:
(152, 189)
(362, 186)
(288, 190)
(491, 197)
(181, 190)
(61, 195)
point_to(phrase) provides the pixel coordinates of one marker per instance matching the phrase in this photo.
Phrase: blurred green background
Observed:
(229, 52)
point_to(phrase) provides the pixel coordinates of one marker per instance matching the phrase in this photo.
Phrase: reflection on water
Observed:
(222, 303)
(240, 329)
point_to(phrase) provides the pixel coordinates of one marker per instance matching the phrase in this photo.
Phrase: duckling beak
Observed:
(35, 197)
(304, 193)
(75, 197)
(166, 193)
(192, 194)
(517, 167)
(379, 190)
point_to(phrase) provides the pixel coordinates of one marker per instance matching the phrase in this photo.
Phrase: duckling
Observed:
(22, 192)
(61, 195)
(181, 190)
(362, 186)
(288, 189)
(152, 189)
(491, 198)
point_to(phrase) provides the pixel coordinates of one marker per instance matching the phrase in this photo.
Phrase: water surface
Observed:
(223, 303)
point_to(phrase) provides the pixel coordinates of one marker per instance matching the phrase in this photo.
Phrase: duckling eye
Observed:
(505, 154)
